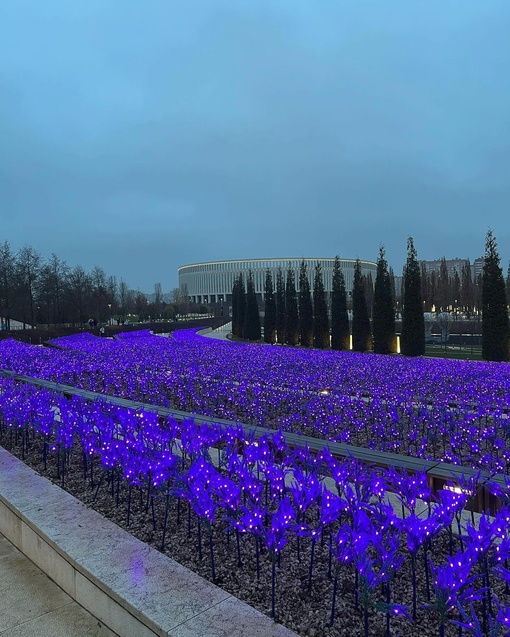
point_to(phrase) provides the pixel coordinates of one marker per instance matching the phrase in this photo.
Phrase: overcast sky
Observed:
(144, 135)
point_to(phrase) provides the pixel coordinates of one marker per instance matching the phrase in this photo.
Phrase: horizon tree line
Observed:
(34, 290)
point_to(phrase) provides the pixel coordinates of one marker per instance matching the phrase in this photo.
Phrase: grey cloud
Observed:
(195, 132)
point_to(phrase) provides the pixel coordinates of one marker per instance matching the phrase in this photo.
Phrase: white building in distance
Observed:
(212, 282)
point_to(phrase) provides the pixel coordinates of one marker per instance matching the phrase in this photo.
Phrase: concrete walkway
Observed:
(219, 333)
(31, 605)
(128, 586)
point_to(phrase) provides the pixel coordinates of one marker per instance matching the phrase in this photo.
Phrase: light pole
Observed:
(109, 313)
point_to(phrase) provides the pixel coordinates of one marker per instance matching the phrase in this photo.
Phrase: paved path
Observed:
(220, 332)
(31, 605)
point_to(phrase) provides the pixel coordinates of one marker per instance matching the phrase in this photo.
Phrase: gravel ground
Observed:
(306, 612)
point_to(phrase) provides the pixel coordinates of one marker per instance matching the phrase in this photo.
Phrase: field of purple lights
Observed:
(456, 411)
(421, 564)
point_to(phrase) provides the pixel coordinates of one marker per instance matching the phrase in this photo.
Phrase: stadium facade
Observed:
(212, 282)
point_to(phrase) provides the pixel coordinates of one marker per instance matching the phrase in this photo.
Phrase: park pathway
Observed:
(32, 605)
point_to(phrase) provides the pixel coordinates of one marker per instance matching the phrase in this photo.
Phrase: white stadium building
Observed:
(212, 282)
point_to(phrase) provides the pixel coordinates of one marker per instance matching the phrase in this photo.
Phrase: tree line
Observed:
(303, 317)
(38, 291)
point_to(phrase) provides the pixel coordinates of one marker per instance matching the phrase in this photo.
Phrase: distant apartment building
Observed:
(477, 268)
(452, 265)
(455, 265)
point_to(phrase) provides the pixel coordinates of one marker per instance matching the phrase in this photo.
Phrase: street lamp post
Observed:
(109, 313)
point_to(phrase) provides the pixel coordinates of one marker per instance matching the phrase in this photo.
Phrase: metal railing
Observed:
(439, 473)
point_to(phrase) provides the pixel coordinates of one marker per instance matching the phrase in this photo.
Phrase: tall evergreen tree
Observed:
(241, 305)
(508, 284)
(251, 316)
(280, 306)
(321, 337)
(434, 291)
(369, 292)
(361, 335)
(340, 333)
(425, 287)
(305, 308)
(477, 289)
(467, 297)
(291, 310)
(270, 310)
(235, 306)
(394, 298)
(385, 340)
(495, 325)
(455, 290)
(412, 340)
(235, 309)
(444, 285)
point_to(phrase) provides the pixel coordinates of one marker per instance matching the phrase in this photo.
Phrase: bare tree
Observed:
(99, 293)
(27, 271)
(7, 283)
(51, 289)
(181, 300)
(141, 306)
(112, 296)
(158, 300)
(123, 299)
(79, 295)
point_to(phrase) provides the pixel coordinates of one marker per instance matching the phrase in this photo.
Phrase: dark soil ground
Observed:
(305, 611)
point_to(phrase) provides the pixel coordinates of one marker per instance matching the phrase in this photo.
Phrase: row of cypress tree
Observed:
(305, 320)
(245, 309)
(291, 318)
(302, 318)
